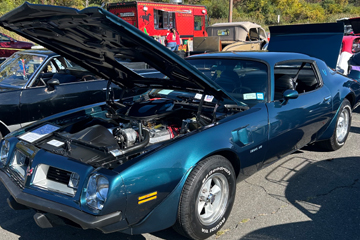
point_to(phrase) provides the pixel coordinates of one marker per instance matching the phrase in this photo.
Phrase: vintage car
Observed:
(38, 83)
(170, 156)
(9, 45)
(239, 36)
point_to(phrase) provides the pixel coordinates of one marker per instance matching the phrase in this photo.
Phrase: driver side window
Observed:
(47, 72)
(300, 76)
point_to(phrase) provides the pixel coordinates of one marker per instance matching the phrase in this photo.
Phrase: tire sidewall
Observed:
(223, 167)
(345, 104)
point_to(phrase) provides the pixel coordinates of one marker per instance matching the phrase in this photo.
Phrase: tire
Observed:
(194, 220)
(342, 129)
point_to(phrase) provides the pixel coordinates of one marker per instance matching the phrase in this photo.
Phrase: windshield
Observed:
(18, 69)
(244, 80)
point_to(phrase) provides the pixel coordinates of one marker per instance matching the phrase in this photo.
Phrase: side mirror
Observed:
(290, 94)
(52, 83)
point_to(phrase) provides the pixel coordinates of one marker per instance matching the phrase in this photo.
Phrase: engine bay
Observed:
(130, 130)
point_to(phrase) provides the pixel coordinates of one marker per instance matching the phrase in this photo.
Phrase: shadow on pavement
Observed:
(328, 192)
(170, 234)
(355, 129)
(357, 110)
(314, 148)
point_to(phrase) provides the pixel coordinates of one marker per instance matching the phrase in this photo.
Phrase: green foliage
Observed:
(216, 8)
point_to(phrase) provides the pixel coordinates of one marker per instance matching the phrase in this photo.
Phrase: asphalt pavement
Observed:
(310, 194)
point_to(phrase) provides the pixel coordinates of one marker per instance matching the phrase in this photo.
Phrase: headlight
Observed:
(4, 152)
(97, 191)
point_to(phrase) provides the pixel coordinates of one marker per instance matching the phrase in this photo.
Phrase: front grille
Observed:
(54, 179)
(58, 175)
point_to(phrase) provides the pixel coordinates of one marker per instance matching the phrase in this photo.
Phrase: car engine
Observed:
(124, 133)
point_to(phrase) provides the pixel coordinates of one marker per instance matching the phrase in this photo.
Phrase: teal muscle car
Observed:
(172, 155)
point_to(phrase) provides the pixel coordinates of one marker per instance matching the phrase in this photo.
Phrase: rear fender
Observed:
(330, 130)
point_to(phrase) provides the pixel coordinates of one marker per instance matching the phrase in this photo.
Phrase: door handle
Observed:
(327, 99)
(104, 89)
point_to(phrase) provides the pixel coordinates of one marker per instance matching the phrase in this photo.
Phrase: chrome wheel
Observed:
(212, 199)
(343, 125)
(207, 198)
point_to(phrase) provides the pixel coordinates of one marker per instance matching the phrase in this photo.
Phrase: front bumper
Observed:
(106, 223)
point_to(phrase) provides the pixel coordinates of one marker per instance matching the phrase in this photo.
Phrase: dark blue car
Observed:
(38, 83)
(170, 156)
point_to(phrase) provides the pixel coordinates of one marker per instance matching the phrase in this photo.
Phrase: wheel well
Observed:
(233, 158)
(351, 99)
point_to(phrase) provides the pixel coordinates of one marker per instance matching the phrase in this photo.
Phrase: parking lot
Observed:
(310, 194)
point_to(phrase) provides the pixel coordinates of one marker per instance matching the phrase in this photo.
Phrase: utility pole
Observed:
(230, 10)
(87, 3)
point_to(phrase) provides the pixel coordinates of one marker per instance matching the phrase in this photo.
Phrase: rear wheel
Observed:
(206, 199)
(342, 129)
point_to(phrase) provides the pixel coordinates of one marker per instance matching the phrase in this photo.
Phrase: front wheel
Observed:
(342, 128)
(207, 198)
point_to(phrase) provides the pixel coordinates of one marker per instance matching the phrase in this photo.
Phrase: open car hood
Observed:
(93, 37)
(322, 40)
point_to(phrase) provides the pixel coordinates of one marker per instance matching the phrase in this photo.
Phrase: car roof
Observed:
(246, 25)
(269, 57)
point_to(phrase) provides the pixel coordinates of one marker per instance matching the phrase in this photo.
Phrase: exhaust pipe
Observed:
(42, 221)
(48, 220)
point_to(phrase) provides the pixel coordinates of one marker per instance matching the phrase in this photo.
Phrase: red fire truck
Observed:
(156, 18)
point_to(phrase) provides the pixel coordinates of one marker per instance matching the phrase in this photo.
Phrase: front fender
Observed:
(164, 215)
(159, 171)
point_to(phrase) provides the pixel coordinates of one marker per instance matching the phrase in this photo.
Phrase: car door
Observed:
(293, 123)
(199, 26)
(255, 39)
(246, 81)
(9, 109)
(38, 101)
